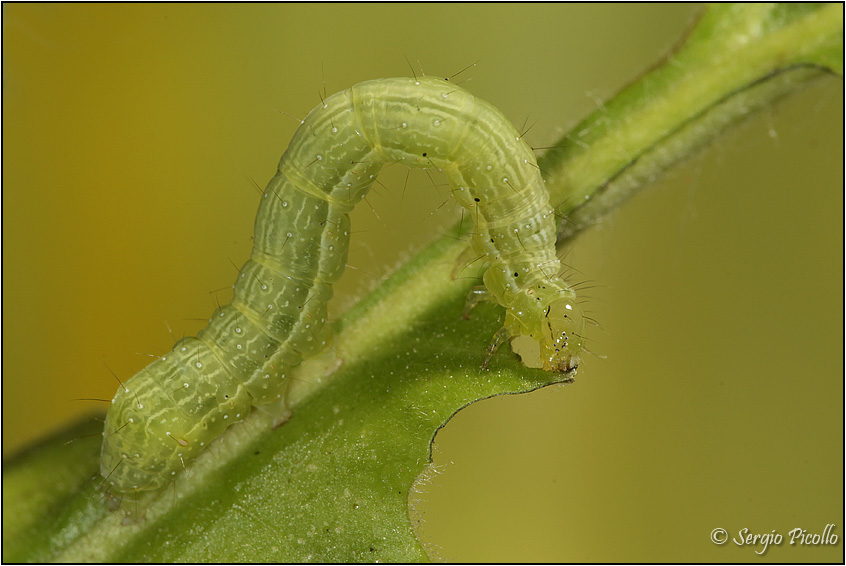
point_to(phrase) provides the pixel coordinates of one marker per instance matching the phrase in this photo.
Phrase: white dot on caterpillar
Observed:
(488, 167)
(199, 364)
(437, 122)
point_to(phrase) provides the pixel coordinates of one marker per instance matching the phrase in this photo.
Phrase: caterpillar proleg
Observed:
(170, 411)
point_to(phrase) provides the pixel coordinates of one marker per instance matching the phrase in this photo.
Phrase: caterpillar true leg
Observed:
(477, 294)
(499, 337)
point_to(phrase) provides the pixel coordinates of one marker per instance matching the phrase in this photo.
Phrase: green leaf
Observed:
(332, 484)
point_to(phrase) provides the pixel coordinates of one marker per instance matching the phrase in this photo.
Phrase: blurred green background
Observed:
(133, 135)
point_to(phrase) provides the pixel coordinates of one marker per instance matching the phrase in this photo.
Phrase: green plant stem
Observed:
(738, 59)
(333, 483)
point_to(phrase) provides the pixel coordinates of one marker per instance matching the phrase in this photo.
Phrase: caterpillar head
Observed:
(562, 335)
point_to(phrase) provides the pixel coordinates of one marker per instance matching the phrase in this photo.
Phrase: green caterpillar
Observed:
(166, 414)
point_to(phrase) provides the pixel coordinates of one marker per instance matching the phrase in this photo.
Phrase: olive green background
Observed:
(133, 135)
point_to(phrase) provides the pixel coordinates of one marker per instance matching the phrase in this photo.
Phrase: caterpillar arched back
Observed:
(166, 414)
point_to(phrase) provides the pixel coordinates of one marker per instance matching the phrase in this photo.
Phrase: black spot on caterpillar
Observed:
(170, 411)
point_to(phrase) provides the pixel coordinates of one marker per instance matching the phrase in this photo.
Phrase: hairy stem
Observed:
(736, 60)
